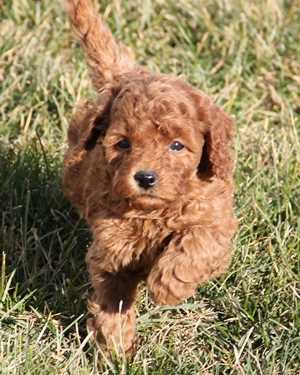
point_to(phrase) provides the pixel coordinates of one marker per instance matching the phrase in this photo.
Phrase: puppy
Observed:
(149, 166)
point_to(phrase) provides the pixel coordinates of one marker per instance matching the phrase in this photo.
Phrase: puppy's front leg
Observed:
(189, 259)
(112, 305)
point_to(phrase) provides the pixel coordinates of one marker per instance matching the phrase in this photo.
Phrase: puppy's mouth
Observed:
(147, 201)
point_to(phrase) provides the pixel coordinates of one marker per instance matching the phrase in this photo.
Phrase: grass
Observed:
(246, 55)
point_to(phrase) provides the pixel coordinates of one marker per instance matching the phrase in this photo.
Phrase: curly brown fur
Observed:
(175, 234)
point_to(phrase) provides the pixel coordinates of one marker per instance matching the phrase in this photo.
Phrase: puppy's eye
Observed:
(124, 144)
(176, 146)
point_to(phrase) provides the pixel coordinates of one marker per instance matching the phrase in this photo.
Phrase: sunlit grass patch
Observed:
(244, 54)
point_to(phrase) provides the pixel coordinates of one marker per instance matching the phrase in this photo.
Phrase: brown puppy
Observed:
(149, 166)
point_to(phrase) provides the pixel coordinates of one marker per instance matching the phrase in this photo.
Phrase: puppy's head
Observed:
(159, 136)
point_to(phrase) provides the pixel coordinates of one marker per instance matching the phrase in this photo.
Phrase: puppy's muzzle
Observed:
(146, 179)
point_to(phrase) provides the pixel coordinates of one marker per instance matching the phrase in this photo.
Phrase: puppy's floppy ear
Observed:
(99, 125)
(216, 160)
(91, 121)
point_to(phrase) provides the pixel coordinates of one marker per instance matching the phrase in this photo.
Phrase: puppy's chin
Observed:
(147, 202)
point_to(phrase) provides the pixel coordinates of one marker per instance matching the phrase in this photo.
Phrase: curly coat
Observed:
(175, 235)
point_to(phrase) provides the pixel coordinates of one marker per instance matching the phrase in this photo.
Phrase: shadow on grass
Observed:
(42, 236)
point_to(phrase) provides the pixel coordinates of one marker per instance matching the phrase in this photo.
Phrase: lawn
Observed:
(246, 54)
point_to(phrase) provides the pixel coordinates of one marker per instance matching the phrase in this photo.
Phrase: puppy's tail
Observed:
(106, 58)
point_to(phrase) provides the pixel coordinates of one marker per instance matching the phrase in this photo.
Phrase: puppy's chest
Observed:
(135, 242)
(148, 239)
(154, 233)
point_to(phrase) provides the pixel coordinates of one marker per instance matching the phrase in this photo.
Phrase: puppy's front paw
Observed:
(166, 289)
(114, 332)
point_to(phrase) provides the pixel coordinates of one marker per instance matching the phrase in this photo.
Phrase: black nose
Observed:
(145, 179)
